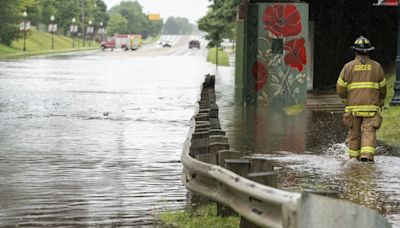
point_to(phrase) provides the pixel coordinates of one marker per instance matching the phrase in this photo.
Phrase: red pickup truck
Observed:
(107, 44)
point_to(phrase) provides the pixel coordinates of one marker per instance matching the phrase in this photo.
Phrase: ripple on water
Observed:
(373, 185)
(87, 141)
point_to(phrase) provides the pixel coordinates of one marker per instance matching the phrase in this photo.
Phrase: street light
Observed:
(52, 29)
(101, 32)
(24, 27)
(89, 31)
(73, 29)
(83, 23)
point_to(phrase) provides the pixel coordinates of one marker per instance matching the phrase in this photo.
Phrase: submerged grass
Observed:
(223, 59)
(294, 109)
(202, 216)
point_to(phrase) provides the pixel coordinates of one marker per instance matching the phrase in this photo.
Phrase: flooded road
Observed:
(309, 153)
(94, 139)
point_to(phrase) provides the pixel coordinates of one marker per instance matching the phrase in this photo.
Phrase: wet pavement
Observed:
(309, 153)
(94, 139)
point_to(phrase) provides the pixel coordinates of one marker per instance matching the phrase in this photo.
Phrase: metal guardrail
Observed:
(206, 157)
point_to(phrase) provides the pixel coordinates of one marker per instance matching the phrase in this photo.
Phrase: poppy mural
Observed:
(282, 20)
(277, 53)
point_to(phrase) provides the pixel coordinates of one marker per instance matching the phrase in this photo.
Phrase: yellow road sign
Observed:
(154, 17)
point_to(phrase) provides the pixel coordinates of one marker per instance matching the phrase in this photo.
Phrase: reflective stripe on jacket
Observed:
(362, 85)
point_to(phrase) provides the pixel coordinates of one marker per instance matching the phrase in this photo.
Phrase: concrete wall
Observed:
(338, 23)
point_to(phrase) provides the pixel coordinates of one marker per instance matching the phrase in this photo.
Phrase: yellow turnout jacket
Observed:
(362, 86)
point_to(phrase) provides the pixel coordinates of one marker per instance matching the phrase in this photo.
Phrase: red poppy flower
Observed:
(260, 74)
(296, 55)
(282, 20)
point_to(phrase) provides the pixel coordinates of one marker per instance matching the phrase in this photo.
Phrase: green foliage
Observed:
(223, 59)
(155, 27)
(136, 21)
(204, 216)
(10, 16)
(40, 11)
(390, 129)
(219, 21)
(178, 25)
(117, 24)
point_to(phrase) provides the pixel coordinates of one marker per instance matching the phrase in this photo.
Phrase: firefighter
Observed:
(362, 87)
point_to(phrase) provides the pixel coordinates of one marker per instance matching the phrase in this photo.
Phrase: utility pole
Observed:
(396, 97)
(83, 23)
(24, 28)
(216, 55)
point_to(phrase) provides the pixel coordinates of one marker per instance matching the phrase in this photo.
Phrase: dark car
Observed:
(166, 44)
(194, 44)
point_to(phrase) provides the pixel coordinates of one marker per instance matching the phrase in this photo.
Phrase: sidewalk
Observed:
(327, 101)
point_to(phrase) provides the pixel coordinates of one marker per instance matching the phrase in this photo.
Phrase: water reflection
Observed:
(309, 152)
(357, 184)
(263, 130)
(94, 139)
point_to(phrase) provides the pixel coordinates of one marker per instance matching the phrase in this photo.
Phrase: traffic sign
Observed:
(154, 17)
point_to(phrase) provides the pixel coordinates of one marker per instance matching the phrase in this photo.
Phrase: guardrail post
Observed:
(217, 132)
(218, 138)
(209, 158)
(327, 193)
(214, 123)
(214, 111)
(225, 155)
(260, 165)
(199, 143)
(223, 210)
(217, 146)
(201, 117)
(269, 178)
(261, 171)
(238, 166)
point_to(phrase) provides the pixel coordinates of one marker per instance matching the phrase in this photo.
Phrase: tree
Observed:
(155, 27)
(65, 11)
(11, 16)
(132, 12)
(117, 24)
(219, 21)
(178, 25)
(136, 21)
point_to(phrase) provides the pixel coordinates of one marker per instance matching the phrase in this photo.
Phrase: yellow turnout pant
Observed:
(362, 134)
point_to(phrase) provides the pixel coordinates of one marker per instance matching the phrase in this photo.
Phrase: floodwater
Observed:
(309, 153)
(94, 139)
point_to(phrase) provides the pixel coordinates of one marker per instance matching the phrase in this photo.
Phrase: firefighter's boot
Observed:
(367, 157)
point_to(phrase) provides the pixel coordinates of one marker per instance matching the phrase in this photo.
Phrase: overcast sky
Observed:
(191, 9)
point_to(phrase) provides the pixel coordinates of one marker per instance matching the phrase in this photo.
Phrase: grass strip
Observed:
(201, 216)
(223, 59)
(390, 129)
(40, 43)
